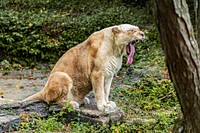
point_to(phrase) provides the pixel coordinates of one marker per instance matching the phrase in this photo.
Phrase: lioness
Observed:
(90, 65)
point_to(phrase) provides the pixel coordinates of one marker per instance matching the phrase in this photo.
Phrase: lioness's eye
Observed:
(132, 30)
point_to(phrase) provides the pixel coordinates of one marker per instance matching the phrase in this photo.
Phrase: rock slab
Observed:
(9, 122)
(10, 114)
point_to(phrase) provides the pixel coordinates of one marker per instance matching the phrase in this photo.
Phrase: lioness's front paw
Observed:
(113, 104)
(105, 108)
(74, 104)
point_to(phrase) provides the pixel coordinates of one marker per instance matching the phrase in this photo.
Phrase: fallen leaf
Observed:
(1, 93)
(117, 131)
(30, 24)
(24, 117)
(164, 72)
(69, 126)
(21, 87)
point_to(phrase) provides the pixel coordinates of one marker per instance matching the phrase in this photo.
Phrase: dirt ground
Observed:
(17, 85)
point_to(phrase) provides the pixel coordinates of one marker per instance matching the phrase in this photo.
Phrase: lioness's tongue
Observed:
(131, 52)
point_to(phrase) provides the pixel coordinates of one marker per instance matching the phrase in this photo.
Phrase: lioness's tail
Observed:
(37, 96)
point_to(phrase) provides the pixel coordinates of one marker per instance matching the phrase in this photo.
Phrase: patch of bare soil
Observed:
(17, 85)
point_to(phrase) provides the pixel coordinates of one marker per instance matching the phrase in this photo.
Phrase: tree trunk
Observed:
(182, 57)
(197, 19)
(198, 23)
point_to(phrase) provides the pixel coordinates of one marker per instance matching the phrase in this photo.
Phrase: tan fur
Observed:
(88, 66)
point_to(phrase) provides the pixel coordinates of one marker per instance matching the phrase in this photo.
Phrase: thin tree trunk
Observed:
(182, 57)
(196, 16)
(197, 19)
(198, 23)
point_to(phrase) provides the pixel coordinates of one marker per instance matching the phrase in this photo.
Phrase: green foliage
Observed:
(149, 53)
(43, 125)
(5, 66)
(150, 93)
(153, 100)
(43, 30)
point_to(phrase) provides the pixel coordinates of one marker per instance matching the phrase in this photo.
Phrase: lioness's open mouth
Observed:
(130, 50)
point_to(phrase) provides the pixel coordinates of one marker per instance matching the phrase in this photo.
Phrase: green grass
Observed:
(152, 100)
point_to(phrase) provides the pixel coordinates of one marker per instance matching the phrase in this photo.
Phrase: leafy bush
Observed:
(32, 31)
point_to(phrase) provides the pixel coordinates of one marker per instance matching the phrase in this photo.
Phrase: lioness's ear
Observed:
(116, 30)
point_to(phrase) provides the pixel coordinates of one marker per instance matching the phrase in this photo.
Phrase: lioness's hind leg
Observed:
(59, 90)
(57, 87)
